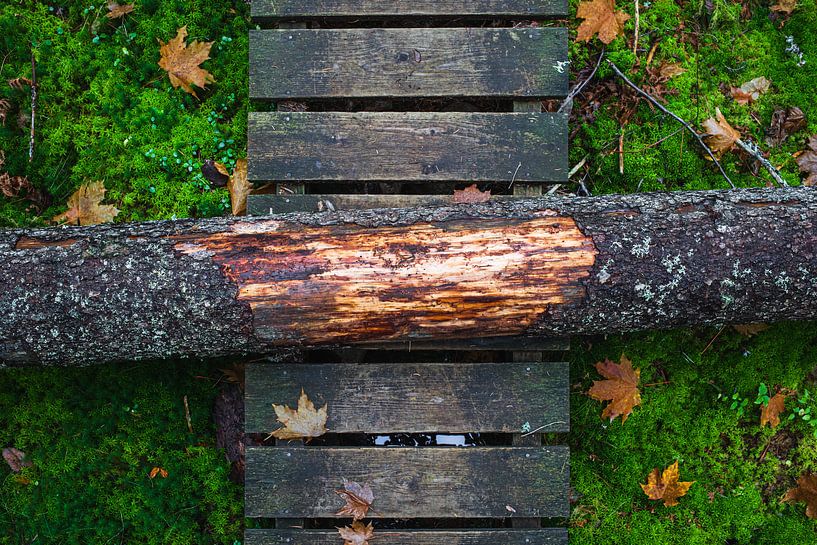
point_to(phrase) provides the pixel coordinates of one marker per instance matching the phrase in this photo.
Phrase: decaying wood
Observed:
(408, 62)
(540, 266)
(269, 9)
(487, 536)
(416, 397)
(469, 482)
(414, 146)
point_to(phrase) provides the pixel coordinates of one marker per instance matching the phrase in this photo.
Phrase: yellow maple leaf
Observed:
(238, 186)
(303, 423)
(600, 17)
(84, 206)
(621, 388)
(358, 534)
(181, 61)
(666, 486)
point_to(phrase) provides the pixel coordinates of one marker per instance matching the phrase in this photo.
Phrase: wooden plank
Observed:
(404, 62)
(271, 9)
(260, 205)
(410, 482)
(415, 397)
(541, 344)
(401, 146)
(488, 536)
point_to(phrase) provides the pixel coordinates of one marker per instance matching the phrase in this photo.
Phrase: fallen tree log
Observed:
(543, 266)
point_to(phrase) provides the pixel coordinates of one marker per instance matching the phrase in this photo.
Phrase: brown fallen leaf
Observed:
(750, 330)
(471, 194)
(666, 486)
(116, 10)
(303, 423)
(621, 388)
(85, 208)
(807, 161)
(158, 471)
(600, 17)
(751, 90)
(805, 491)
(358, 498)
(670, 70)
(784, 123)
(239, 187)
(20, 83)
(720, 136)
(235, 374)
(785, 6)
(181, 61)
(16, 459)
(5, 108)
(770, 413)
(357, 534)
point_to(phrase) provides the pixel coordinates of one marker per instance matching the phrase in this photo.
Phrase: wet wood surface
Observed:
(416, 146)
(408, 62)
(488, 536)
(271, 9)
(415, 397)
(407, 482)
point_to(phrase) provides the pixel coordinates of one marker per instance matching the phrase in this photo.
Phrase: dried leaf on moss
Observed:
(785, 6)
(16, 459)
(239, 188)
(181, 62)
(750, 330)
(751, 90)
(805, 491)
(621, 388)
(666, 486)
(85, 208)
(602, 18)
(770, 413)
(158, 471)
(115, 10)
(807, 161)
(720, 136)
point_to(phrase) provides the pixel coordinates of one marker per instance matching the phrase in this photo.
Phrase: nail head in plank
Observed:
(415, 397)
(415, 146)
(408, 62)
(472, 482)
(488, 536)
(271, 9)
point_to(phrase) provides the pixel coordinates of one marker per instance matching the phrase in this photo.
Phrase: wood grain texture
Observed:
(414, 398)
(541, 344)
(488, 536)
(411, 146)
(395, 281)
(403, 62)
(270, 9)
(410, 482)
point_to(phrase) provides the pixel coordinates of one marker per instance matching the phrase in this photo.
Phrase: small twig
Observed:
(686, 125)
(540, 428)
(752, 149)
(567, 103)
(515, 172)
(662, 383)
(637, 25)
(712, 341)
(33, 106)
(187, 415)
(621, 152)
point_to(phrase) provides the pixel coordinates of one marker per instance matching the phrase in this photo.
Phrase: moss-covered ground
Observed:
(107, 112)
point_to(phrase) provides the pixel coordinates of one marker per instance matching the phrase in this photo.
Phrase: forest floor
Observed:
(107, 112)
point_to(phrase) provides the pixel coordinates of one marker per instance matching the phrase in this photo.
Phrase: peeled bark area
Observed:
(541, 266)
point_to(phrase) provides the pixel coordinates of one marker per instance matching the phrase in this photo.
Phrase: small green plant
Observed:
(803, 411)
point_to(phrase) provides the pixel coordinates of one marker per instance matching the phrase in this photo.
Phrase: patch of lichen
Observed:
(106, 111)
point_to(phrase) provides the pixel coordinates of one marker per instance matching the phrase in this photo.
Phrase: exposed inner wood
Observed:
(340, 284)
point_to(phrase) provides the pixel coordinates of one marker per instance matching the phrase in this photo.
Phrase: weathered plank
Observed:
(488, 536)
(416, 146)
(271, 9)
(415, 397)
(525, 62)
(539, 344)
(410, 482)
(264, 204)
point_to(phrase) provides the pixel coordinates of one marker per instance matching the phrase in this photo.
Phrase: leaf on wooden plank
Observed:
(358, 498)
(115, 10)
(770, 413)
(666, 486)
(785, 6)
(602, 18)
(471, 194)
(181, 62)
(750, 330)
(158, 471)
(805, 491)
(16, 459)
(239, 187)
(720, 136)
(303, 423)
(85, 208)
(357, 534)
(807, 161)
(784, 123)
(751, 90)
(621, 388)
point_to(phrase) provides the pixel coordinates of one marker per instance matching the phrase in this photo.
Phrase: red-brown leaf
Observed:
(621, 388)
(470, 194)
(358, 497)
(806, 491)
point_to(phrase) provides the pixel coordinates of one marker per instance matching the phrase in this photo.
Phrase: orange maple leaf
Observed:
(621, 387)
(806, 491)
(600, 17)
(238, 186)
(116, 10)
(358, 534)
(770, 413)
(358, 497)
(181, 61)
(303, 423)
(666, 487)
(84, 206)
(720, 136)
(470, 194)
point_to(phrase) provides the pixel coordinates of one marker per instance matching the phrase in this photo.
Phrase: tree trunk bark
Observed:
(542, 266)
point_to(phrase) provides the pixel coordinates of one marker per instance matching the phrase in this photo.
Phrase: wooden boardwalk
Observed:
(376, 109)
